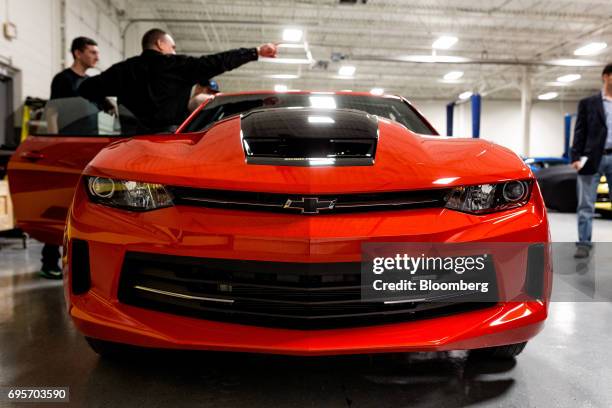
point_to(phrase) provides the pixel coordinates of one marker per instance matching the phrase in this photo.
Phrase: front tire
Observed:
(108, 349)
(500, 352)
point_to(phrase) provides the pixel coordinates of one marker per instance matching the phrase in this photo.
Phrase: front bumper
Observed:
(228, 234)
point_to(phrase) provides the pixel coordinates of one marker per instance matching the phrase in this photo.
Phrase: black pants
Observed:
(50, 257)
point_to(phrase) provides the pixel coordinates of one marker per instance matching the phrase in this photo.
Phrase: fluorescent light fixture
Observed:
(574, 62)
(444, 42)
(569, 78)
(591, 48)
(445, 180)
(322, 102)
(453, 75)
(280, 88)
(377, 91)
(289, 45)
(347, 71)
(320, 119)
(465, 95)
(433, 58)
(555, 83)
(548, 96)
(292, 34)
(282, 76)
(304, 61)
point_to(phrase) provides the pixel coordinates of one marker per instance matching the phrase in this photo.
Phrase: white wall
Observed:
(32, 52)
(90, 19)
(501, 123)
(37, 52)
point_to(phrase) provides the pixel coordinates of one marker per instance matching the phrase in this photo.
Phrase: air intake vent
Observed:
(307, 137)
(80, 275)
(264, 293)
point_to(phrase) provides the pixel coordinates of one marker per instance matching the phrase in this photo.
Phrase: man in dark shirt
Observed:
(86, 55)
(64, 85)
(155, 86)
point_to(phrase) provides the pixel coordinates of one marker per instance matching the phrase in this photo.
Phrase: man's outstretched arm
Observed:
(209, 66)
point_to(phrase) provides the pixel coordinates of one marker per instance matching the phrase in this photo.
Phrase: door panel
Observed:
(43, 174)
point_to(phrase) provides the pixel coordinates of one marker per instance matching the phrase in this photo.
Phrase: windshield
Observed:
(391, 108)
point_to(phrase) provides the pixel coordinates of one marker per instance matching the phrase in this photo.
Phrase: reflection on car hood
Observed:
(216, 159)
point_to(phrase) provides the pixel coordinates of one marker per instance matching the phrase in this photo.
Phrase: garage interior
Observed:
(508, 71)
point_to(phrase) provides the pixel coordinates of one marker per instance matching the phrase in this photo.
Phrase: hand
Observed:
(576, 165)
(267, 50)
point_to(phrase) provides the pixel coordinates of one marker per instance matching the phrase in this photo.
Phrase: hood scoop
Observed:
(309, 137)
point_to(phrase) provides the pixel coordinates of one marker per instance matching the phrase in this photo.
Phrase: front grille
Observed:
(270, 294)
(309, 204)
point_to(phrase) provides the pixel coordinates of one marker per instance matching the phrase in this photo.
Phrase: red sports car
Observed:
(245, 229)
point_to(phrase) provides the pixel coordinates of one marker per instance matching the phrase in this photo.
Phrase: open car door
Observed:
(46, 167)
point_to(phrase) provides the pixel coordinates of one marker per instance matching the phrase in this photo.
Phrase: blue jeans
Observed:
(587, 194)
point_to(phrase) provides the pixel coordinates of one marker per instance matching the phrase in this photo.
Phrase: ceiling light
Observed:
(322, 102)
(453, 75)
(555, 83)
(591, 48)
(573, 62)
(569, 78)
(282, 76)
(280, 88)
(300, 46)
(347, 70)
(444, 42)
(304, 61)
(548, 96)
(465, 95)
(377, 91)
(292, 34)
(433, 58)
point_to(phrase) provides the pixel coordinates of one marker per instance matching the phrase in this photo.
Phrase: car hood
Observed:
(216, 159)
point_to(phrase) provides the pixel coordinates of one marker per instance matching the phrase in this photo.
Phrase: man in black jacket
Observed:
(592, 156)
(155, 86)
(64, 85)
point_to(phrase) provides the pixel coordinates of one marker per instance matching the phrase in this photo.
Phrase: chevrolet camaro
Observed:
(244, 230)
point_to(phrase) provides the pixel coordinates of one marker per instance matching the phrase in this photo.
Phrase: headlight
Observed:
(128, 195)
(487, 198)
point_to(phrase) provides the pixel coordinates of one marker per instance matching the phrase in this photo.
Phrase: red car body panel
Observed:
(43, 174)
(215, 159)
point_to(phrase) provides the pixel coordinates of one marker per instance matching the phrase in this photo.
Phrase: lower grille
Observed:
(270, 294)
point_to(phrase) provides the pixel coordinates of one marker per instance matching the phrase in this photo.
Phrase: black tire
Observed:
(500, 352)
(109, 349)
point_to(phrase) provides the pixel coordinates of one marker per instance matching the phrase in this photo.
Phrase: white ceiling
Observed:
(518, 34)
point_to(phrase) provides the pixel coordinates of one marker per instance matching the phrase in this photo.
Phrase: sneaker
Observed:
(50, 273)
(582, 252)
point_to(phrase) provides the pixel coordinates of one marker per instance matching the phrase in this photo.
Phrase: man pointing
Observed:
(155, 86)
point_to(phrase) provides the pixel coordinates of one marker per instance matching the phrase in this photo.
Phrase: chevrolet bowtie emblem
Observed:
(310, 205)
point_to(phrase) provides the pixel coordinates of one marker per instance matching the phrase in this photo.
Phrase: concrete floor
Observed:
(568, 365)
